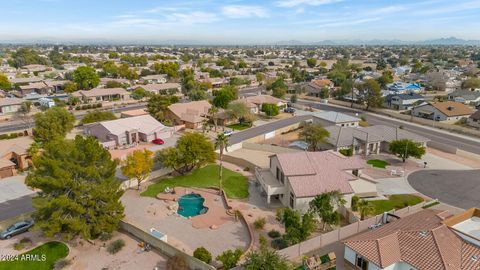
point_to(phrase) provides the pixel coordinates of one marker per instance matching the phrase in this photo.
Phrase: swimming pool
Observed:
(191, 205)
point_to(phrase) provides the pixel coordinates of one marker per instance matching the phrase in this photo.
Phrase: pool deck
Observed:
(217, 209)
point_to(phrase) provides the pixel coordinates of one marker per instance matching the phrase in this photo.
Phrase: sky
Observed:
(238, 21)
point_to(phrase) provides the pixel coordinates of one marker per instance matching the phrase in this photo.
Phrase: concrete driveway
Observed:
(460, 188)
(12, 188)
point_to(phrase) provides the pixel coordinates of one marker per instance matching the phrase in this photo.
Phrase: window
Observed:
(361, 262)
(292, 200)
(278, 174)
(282, 178)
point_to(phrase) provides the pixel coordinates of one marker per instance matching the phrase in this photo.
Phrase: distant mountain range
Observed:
(440, 41)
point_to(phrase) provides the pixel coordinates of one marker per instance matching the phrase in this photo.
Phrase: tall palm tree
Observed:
(365, 208)
(221, 142)
(213, 115)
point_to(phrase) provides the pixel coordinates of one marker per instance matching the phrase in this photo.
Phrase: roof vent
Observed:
(450, 108)
(474, 258)
(424, 233)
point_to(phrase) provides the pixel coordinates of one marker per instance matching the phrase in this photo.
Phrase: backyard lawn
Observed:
(239, 126)
(377, 163)
(395, 202)
(234, 184)
(52, 252)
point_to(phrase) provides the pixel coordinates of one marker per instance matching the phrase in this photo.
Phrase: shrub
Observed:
(259, 223)
(202, 254)
(115, 246)
(354, 203)
(279, 243)
(18, 246)
(230, 258)
(105, 236)
(274, 234)
(346, 152)
(177, 262)
(62, 263)
(78, 108)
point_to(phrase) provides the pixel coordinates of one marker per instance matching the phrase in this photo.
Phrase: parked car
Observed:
(228, 132)
(158, 141)
(17, 228)
(289, 110)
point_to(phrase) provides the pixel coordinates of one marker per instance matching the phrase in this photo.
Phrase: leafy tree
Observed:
(297, 228)
(293, 98)
(365, 208)
(113, 55)
(202, 254)
(169, 68)
(26, 56)
(279, 88)
(230, 258)
(370, 94)
(114, 84)
(139, 93)
(70, 87)
(4, 82)
(260, 77)
(265, 259)
(386, 78)
(80, 194)
(311, 62)
(240, 111)
(23, 113)
(52, 124)
(270, 109)
(323, 205)
(86, 77)
(177, 262)
(406, 148)
(158, 104)
(221, 142)
(97, 116)
(192, 150)
(354, 202)
(197, 94)
(471, 83)
(56, 58)
(212, 114)
(138, 165)
(314, 134)
(224, 96)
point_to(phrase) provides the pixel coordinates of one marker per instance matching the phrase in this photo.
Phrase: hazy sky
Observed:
(237, 21)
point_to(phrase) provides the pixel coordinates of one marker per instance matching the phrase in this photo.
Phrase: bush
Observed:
(62, 263)
(270, 109)
(18, 246)
(202, 254)
(230, 258)
(354, 205)
(177, 263)
(346, 152)
(78, 108)
(115, 246)
(105, 236)
(279, 243)
(259, 223)
(274, 234)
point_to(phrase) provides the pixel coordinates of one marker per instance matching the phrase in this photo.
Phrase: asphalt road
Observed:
(20, 125)
(457, 188)
(436, 136)
(16, 207)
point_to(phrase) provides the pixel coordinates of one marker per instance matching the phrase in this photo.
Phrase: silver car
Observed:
(17, 228)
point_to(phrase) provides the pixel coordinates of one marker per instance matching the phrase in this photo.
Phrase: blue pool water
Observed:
(191, 205)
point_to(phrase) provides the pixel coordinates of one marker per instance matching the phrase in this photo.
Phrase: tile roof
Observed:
(158, 86)
(452, 108)
(17, 145)
(101, 92)
(10, 101)
(191, 111)
(421, 240)
(311, 173)
(260, 99)
(143, 123)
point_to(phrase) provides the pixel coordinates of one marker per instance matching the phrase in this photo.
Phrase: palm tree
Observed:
(213, 115)
(221, 142)
(365, 208)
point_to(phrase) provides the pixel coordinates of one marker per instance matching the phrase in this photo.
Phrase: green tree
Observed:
(265, 259)
(70, 87)
(293, 98)
(4, 82)
(406, 148)
(139, 93)
(114, 84)
(314, 135)
(297, 228)
(354, 202)
(365, 208)
(138, 165)
(168, 68)
(202, 254)
(224, 96)
(113, 55)
(230, 258)
(386, 78)
(158, 104)
(191, 151)
(80, 194)
(311, 62)
(472, 83)
(279, 88)
(26, 56)
(270, 109)
(221, 142)
(369, 93)
(323, 205)
(97, 116)
(86, 77)
(213, 115)
(52, 124)
(197, 94)
(239, 111)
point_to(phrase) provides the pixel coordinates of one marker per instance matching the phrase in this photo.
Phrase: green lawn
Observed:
(51, 252)
(239, 126)
(378, 163)
(234, 184)
(395, 202)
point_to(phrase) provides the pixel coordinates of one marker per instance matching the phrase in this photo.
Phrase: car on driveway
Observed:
(228, 132)
(17, 228)
(289, 110)
(158, 141)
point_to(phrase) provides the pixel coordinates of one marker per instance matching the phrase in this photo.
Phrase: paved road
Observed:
(20, 125)
(16, 207)
(458, 188)
(436, 136)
